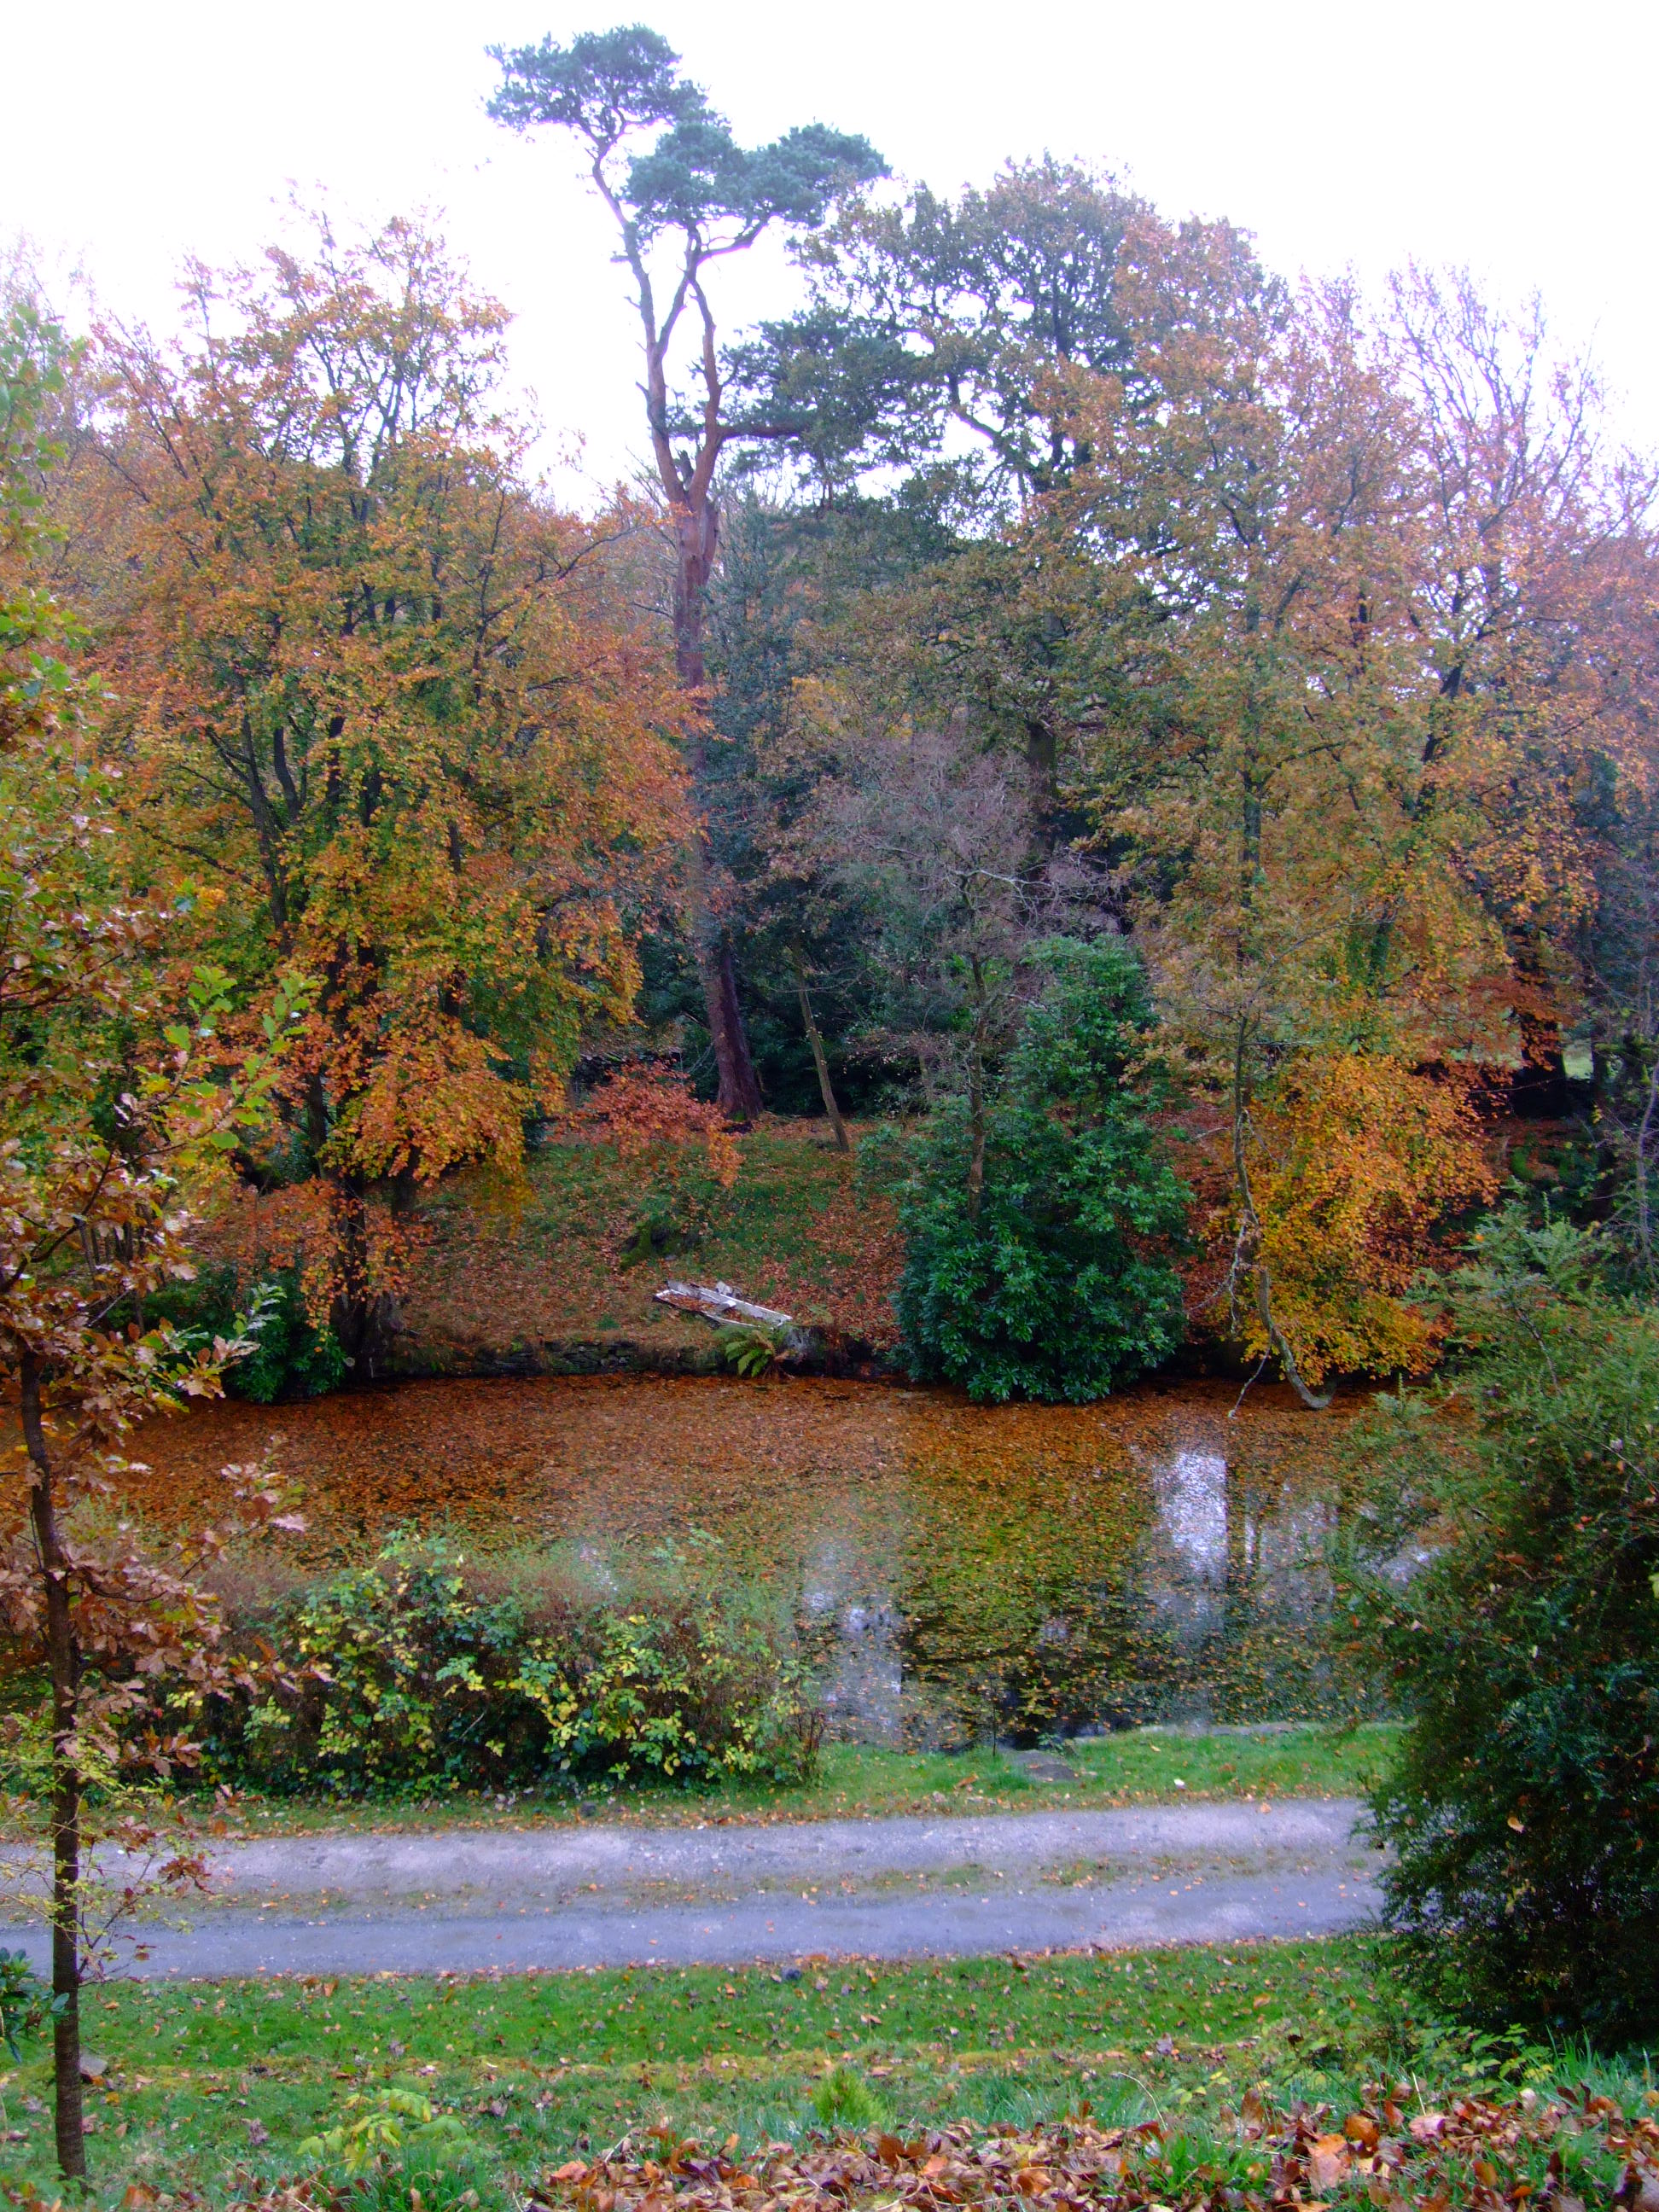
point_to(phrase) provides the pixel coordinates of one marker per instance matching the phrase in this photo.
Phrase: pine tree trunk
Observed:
(64, 1665)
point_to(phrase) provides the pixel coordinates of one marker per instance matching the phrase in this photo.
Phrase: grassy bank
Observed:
(538, 1263)
(212, 2087)
(1139, 1766)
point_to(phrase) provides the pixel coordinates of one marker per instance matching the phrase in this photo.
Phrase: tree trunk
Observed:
(65, 1663)
(826, 1089)
(1041, 762)
(359, 1317)
(739, 1095)
(740, 1098)
(975, 1132)
(1248, 1254)
(1644, 1135)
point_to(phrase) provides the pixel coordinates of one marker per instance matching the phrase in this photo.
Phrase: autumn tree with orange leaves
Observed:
(1298, 617)
(1336, 977)
(1308, 643)
(121, 1095)
(381, 719)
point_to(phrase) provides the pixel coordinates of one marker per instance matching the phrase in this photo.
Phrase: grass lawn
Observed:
(211, 2086)
(1139, 1766)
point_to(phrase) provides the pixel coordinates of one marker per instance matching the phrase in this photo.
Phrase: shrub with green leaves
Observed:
(1511, 1572)
(1055, 1282)
(294, 1355)
(26, 2005)
(404, 1673)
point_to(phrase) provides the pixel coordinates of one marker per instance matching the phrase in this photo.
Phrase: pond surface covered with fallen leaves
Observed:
(954, 1572)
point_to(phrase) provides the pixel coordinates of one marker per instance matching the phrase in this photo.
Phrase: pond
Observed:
(954, 1572)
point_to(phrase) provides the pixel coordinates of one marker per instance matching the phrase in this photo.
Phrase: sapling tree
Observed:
(684, 196)
(118, 1089)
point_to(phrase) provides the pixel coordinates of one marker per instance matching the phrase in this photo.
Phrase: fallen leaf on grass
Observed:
(1328, 2161)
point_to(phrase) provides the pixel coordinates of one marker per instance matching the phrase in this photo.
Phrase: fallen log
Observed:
(720, 1304)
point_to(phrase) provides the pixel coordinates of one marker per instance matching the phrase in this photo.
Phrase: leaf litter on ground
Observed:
(1569, 2151)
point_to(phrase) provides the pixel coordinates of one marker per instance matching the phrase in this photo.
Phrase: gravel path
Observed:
(593, 1895)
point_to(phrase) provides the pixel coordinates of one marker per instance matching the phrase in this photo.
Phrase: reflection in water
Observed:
(1234, 1570)
(1187, 1563)
(852, 1629)
(1191, 1488)
(952, 1572)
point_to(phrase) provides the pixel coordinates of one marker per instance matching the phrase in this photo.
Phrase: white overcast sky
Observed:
(1516, 138)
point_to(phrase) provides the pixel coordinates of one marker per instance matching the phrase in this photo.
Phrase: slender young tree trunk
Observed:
(1644, 1149)
(1249, 1257)
(976, 1130)
(826, 1089)
(1248, 1254)
(65, 1663)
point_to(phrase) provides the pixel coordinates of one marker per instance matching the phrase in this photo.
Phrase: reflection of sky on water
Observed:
(1191, 1489)
(1185, 1568)
(861, 1685)
(1288, 1552)
(1208, 1608)
(1276, 1544)
(1231, 1564)
(948, 1569)
(597, 1569)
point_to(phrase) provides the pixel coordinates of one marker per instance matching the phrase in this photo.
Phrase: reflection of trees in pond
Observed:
(1039, 1571)
(1235, 1568)
(1035, 1633)
(951, 1570)
(1041, 1595)
(849, 1629)
(1015, 1622)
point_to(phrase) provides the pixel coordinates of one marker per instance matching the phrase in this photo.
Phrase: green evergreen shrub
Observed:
(1062, 1287)
(1510, 1559)
(293, 1357)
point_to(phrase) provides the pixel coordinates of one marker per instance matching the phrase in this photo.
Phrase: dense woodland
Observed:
(1054, 575)
(1156, 758)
